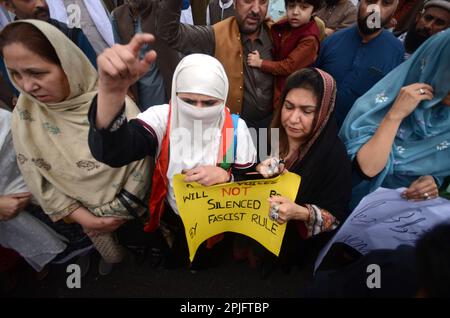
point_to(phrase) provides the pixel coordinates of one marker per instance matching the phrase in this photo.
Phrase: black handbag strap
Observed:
(133, 198)
(127, 206)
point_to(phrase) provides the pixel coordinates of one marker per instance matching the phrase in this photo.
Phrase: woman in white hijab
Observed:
(192, 126)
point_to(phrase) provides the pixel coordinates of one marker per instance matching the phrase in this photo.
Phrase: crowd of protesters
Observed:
(92, 94)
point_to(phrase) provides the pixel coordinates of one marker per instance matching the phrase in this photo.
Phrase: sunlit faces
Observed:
(250, 14)
(29, 9)
(299, 13)
(298, 112)
(432, 21)
(199, 100)
(35, 75)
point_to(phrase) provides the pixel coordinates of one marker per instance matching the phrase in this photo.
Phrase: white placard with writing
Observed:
(384, 220)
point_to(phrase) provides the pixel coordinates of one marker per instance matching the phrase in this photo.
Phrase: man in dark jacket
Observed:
(137, 16)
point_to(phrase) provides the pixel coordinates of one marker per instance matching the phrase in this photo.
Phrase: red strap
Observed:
(227, 138)
(159, 182)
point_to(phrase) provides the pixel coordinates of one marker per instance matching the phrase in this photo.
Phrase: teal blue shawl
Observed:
(422, 144)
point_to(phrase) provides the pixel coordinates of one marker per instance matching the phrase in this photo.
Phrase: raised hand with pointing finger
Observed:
(119, 67)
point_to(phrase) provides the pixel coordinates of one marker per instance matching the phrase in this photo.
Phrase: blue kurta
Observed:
(357, 66)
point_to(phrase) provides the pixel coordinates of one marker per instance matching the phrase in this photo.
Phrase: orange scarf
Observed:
(159, 180)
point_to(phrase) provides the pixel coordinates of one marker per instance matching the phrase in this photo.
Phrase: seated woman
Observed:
(192, 127)
(50, 134)
(398, 133)
(310, 147)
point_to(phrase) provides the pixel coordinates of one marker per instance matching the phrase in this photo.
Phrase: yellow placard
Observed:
(240, 207)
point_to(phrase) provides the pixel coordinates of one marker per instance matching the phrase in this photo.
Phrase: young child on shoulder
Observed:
(296, 42)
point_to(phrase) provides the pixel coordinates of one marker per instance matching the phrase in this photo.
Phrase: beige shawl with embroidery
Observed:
(51, 143)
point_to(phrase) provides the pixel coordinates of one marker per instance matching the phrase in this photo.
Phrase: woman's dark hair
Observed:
(307, 78)
(31, 37)
(317, 4)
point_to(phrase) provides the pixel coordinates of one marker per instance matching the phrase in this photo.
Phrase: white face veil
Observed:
(195, 132)
(198, 74)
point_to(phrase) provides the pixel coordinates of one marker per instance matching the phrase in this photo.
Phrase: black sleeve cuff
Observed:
(242, 174)
(106, 145)
(122, 142)
(113, 126)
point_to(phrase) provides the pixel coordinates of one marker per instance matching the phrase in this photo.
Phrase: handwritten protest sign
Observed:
(240, 207)
(384, 220)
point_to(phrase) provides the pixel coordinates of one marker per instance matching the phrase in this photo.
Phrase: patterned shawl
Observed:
(51, 142)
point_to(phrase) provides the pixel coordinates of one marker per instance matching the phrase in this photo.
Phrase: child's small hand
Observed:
(254, 59)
